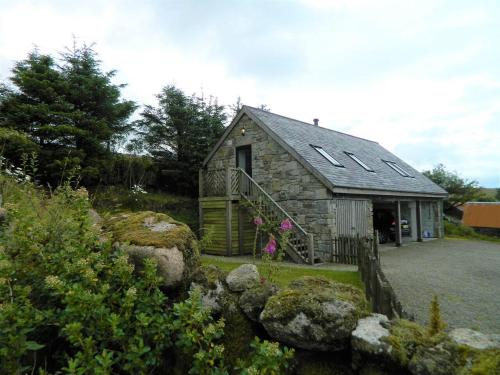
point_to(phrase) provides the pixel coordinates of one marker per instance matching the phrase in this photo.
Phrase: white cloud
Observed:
(390, 71)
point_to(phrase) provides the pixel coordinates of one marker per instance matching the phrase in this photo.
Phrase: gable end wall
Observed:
(298, 191)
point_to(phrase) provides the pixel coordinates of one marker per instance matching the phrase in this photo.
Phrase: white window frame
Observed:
(359, 161)
(327, 156)
(397, 168)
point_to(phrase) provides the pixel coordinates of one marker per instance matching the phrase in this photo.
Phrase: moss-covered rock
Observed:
(441, 359)
(253, 300)
(239, 331)
(314, 313)
(170, 263)
(149, 234)
(405, 338)
(211, 280)
(147, 228)
(243, 277)
(481, 362)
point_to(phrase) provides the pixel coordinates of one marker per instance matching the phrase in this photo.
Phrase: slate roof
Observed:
(298, 137)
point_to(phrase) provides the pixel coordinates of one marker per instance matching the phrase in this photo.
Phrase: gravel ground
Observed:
(464, 274)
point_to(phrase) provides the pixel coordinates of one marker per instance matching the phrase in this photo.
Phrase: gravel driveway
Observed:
(464, 274)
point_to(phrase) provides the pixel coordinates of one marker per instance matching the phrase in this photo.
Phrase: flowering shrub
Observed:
(272, 253)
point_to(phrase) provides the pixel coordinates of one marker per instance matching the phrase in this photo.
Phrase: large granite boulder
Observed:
(211, 282)
(475, 339)
(171, 266)
(368, 336)
(314, 313)
(239, 331)
(253, 300)
(441, 359)
(149, 234)
(243, 277)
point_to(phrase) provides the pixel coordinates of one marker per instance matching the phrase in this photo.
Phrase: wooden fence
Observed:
(378, 290)
(345, 249)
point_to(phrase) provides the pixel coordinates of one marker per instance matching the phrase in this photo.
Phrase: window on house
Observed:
(397, 168)
(327, 156)
(358, 160)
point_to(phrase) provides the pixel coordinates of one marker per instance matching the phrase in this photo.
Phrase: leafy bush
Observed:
(461, 231)
(197, 335)
(70, 303)
(268, 358)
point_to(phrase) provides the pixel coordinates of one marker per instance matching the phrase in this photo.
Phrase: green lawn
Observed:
(289, 273)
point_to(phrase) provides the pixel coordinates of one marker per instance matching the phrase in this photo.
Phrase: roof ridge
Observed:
(315, 126)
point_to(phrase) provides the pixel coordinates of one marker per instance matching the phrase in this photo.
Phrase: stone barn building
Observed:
(329, 184)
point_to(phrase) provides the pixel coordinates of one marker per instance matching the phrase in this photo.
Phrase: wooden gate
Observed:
(354, 217)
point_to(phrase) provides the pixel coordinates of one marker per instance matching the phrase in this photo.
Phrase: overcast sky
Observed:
(422, 78)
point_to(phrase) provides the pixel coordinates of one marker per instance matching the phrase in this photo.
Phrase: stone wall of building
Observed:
(299, 192)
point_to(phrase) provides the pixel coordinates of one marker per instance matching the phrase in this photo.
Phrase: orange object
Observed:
(482, 214)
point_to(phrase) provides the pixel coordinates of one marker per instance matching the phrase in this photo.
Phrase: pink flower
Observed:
(286, 225)
(271, 246)
(257, 220)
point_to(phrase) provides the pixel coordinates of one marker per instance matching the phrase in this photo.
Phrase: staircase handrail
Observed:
(276, 204)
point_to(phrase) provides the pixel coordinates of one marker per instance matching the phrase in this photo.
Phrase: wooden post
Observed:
(228, 182)
(397, 219)
(241, 242)
(200, 183)
(419, 221)
(229, 214)
(229, 228)
(310, 249)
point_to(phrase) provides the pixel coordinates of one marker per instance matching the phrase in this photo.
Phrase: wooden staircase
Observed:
(300, 243)
(234, 184)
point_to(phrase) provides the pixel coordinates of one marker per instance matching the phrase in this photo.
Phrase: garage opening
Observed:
(384, 221)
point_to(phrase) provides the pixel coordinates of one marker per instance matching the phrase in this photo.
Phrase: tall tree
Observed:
(179, 132)
(460, 189)
(69, 108)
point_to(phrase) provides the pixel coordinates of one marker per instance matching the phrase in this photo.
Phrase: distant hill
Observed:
(489, 192)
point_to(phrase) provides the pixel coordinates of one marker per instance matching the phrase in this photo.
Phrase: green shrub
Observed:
(461, 231)
(268, 358)
(197, 334)
(68, 301)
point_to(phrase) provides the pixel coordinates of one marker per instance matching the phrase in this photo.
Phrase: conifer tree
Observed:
(69, 108)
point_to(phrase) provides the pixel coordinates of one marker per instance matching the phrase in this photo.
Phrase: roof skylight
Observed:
(359, 161)
(327, 156)
(397, 168)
